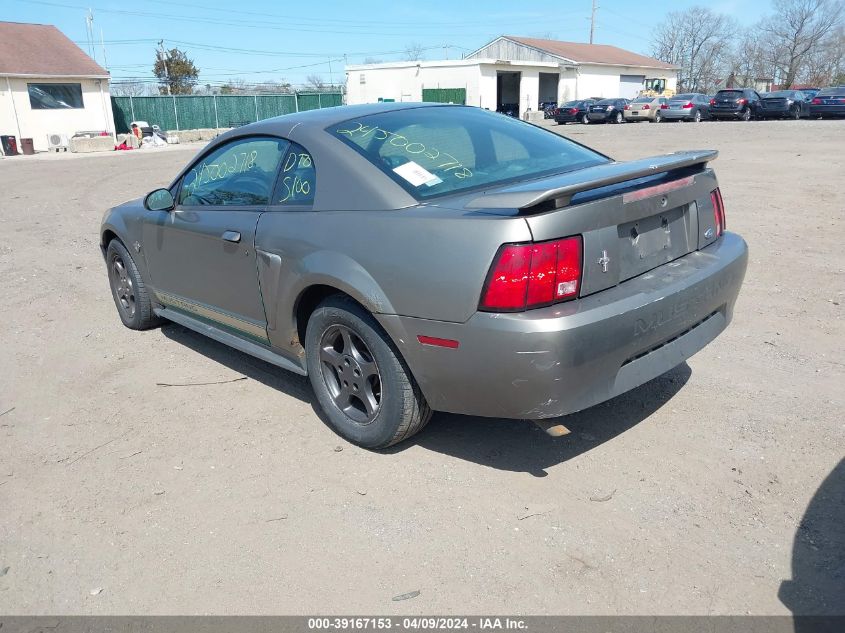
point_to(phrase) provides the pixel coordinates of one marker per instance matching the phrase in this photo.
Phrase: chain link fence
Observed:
(193, 112)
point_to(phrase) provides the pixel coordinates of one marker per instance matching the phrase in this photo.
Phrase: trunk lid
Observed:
(633, 216)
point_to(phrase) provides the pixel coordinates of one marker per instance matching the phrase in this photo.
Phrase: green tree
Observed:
(175, 71)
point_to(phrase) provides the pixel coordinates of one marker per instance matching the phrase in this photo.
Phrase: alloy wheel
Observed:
(350, 373)
(122, 285)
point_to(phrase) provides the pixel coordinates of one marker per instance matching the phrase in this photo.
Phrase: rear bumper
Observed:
(827, 110)
(599, 117)
(638, 117)
(561, 359)
(567, 118)
(775, 111)
(726, 114)
(676, 114)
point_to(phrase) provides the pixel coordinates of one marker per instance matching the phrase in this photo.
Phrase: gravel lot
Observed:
(702, 492)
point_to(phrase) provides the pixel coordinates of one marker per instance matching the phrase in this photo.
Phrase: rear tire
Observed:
(585, 119)
(657, 117)
(746, 114)
(697, 117)
(128, 290)
(619, 118)
(362, 384)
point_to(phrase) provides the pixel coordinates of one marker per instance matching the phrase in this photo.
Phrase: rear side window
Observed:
(297, 182)
(432, 151)
(241, 172)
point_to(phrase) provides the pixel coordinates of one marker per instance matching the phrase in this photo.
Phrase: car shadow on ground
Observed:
(817, 586)
(521, 446)
(513, 445)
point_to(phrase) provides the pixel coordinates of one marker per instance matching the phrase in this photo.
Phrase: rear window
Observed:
(643, 100)
(826, 92)
(688, 97)
(433, 151)
(729, 93)
(607, 102)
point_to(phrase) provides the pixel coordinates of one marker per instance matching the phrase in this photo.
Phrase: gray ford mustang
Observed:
(411, 258)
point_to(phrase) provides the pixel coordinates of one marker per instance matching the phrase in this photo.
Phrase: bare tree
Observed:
(315, 83)
(751, 59)
(697, 40)
(280, 86)
(414, 51)
(129, 89)
(796, 29)
(825, 64)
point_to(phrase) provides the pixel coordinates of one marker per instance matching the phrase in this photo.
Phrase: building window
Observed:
(362, 78)
(55, 96)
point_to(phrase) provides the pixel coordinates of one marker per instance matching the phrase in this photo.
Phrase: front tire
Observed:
(128, 290)
(362, 384)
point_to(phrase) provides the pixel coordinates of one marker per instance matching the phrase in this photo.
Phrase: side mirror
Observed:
(159, 200)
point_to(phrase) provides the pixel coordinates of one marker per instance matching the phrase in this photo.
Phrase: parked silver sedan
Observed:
(690, 106)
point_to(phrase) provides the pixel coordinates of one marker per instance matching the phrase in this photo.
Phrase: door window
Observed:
(240, 172)
(297, 182)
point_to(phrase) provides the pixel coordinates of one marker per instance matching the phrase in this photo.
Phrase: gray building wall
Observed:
(511, 51)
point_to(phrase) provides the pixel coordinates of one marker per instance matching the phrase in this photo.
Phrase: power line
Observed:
(236, 23)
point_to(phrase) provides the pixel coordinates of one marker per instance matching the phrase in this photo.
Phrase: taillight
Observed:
(718, 211)
(686, 106)
(645, 107)
(664, 106)
(742, 101)
(712, 102)
(525, 276)
(816, 101)
(627, 106)
(573, 111)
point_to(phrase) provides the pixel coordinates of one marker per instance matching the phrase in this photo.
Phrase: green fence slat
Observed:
(445, 95)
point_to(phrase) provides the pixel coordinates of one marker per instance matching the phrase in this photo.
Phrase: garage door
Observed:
(630, 85)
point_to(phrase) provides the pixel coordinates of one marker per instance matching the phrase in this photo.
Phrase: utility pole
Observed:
(163, 57)
(593, 20)
(89, 31)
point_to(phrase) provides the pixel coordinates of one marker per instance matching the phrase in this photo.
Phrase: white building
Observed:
(48, 85)
(515, 73)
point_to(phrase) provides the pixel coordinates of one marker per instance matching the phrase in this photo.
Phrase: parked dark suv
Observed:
(607, 111)
(735, 103)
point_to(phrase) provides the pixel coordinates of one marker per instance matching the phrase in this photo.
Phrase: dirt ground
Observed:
(718, 488)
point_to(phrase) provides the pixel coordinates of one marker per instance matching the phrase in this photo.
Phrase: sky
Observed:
(259, 40)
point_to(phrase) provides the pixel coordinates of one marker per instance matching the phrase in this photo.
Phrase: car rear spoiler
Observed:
(560, 189)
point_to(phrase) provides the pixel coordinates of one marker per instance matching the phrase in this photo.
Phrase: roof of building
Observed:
(581, 53)
(43, 50)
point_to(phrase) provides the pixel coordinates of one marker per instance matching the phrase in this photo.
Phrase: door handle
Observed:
(232, 236)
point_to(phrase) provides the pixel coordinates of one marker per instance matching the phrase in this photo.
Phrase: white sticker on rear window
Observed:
(417, 175)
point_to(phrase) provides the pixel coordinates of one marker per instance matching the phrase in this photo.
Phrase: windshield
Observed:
(433, 151)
